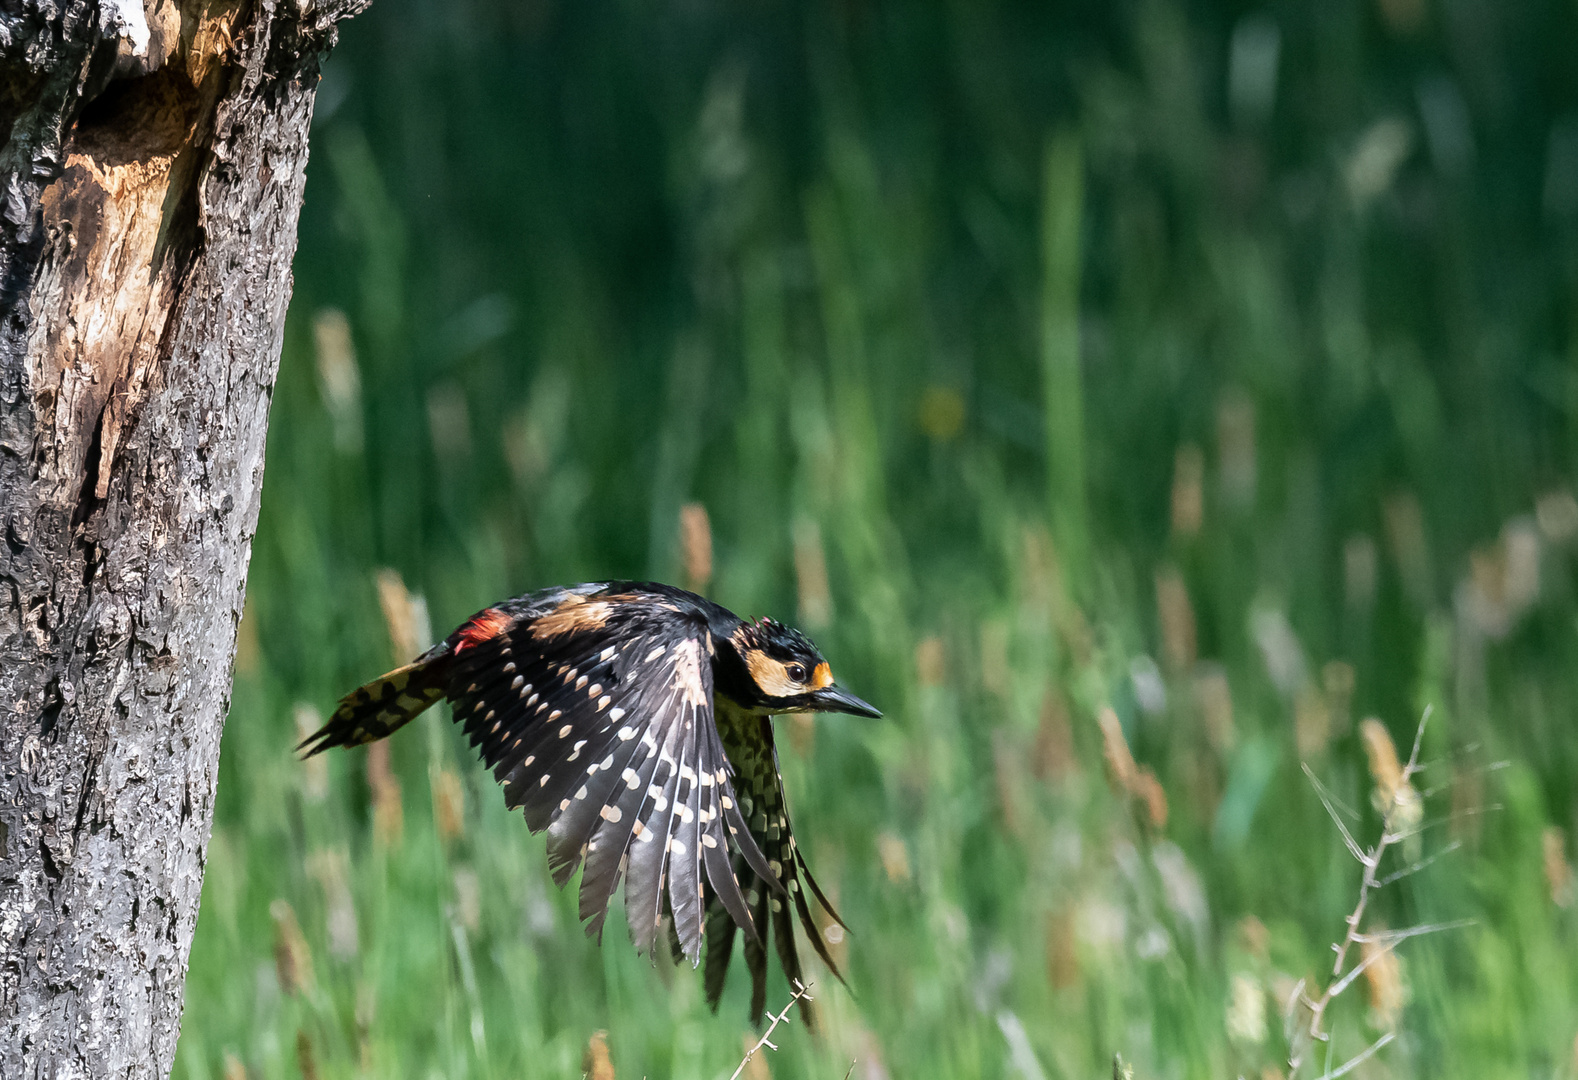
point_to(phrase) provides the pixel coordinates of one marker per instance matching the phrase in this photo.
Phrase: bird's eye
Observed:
(796, 672)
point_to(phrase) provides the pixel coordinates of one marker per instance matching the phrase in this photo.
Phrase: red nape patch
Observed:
(490, 624)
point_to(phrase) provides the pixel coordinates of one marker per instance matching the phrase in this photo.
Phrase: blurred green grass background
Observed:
(1213, 364)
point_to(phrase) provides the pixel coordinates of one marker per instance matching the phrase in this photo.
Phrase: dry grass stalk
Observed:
(695, 545)
(1311, 721)
(405, 616)
(249, 654)
(595, 1063)
(994, 657)
(1175, 617)
(315, 769)
(1360, 573)
(292, 956)
(1214, 696)
(810, 568)
(1007, 770)
(306, 1060)
(449, 804)
(339, 379)
(1128, 777)
(1405, 535)
(329, 868)
(802, 992)
(895, 857)
(1337, 679)
(1188, 497)
(1052, 757)
(1558, 874)
(1062, 949)
(1383, 977)
(931, 662)
(388, 810)
(1399, 804)
(802, 733)
(1235, 439)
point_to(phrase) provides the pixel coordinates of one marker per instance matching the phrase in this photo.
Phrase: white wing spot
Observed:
(676, 846)
(596, 688)
(685, 813)
(509, 667)
(579, 683)
(728, 803)
(617, 715)
(520, 680)
(708, 841)
(626, 734)
(655, 653)
(582, 793)
(606, 653)
(564, 731)
(687, 673)
(544, 781)
(610, 813)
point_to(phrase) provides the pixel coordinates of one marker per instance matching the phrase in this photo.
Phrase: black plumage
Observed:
(631, 722)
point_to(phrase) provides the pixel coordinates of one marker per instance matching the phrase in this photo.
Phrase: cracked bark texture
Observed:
(150, 183)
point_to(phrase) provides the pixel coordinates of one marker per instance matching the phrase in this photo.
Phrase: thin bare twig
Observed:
(1403, 803)
(1328, 801)
(801, 992)
(1414, 868)
(1354, 1062)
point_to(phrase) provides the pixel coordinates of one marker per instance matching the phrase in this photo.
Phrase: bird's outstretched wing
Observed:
(594, 709)
(748, 741)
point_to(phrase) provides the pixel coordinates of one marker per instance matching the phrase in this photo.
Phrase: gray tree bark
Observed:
(150, 184)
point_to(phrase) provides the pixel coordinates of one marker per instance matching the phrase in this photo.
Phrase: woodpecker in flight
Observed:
(631, 721)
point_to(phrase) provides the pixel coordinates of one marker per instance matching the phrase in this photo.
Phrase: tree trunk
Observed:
(149, 193)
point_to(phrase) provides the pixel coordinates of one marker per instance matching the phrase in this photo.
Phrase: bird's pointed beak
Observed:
(836, 699)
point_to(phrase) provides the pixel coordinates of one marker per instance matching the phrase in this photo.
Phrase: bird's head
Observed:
(784, 672)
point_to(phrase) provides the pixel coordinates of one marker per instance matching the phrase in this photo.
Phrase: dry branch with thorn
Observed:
(802, 992)
(1401, 809)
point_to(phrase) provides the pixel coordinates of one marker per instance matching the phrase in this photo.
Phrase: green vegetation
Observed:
(1209, 365)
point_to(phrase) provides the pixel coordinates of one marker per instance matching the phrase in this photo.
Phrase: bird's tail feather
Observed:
(375, 711)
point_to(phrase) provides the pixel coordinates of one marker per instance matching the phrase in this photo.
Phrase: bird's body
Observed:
(631, 721)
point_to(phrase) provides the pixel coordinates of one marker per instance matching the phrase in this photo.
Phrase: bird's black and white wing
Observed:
(748, 741)
(594, 709)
